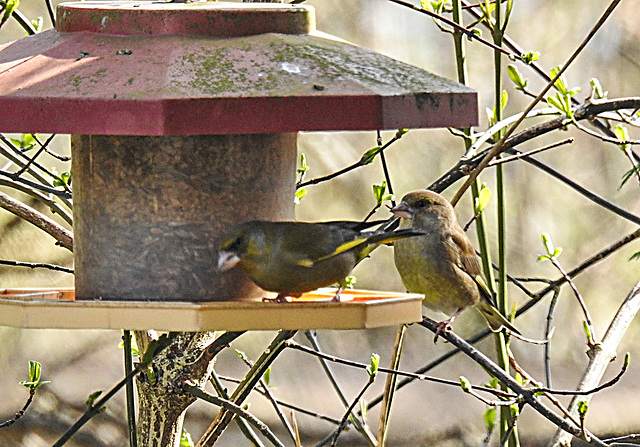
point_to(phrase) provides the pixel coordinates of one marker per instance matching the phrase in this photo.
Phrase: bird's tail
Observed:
(385, 237)
(493, 316)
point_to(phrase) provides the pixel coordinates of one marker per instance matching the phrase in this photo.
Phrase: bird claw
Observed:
(279, 299)
(441, 327)
(336, 297)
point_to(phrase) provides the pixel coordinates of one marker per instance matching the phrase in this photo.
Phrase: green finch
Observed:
(292, 258)
(441, 264)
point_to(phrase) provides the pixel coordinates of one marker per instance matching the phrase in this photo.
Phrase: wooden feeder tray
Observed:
(358, 309)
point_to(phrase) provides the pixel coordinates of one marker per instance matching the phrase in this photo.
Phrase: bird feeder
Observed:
(183, 120)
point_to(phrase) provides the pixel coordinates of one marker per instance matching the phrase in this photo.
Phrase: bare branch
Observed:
(59, 233)
(602, 356)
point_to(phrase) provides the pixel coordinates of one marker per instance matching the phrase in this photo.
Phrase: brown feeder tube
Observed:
(183, 120)
(163, 201)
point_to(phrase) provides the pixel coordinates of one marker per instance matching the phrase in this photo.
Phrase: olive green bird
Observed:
(291, 258)
(442, 264)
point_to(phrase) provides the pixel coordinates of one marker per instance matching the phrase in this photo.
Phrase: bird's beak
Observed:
(227, 260)
(403, 210)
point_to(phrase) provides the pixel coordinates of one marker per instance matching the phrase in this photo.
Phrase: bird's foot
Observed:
(445, 326)
(336, 298)
(279, 299)
(441, 327)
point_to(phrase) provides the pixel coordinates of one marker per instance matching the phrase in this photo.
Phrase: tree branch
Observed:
(59, 233)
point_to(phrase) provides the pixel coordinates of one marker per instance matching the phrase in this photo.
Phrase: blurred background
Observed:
(80, 362)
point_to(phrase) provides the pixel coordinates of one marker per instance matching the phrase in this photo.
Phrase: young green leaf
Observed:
(303, 164)
(349, 281)
(626, 361)
(372, 369)
(635, 257)
(267, 376)
(379, 193)
(465, 384)
(491, 116)
(504, 99)
(560, 83)
(370, 155)
(300, 193)
(552, 252)
(596, 89)
(37, 24)
(633, 172)
(583, 407)
(490, 418)
(587, 330)
(9, 7)
(35, 369)
(27, 142)
(622, 134)
(484, 196)
(516, 77)
(91, 400)
(63, 180)
(185, 439)
(530, 57)
(134, 347)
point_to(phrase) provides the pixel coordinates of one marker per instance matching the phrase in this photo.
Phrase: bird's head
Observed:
(233, 247)
(421, 202)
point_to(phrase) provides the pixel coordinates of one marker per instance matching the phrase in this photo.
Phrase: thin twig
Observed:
(248, 432)
(296, 408)
(591, 336)
(345, 418)
(498, 147)
(59, 233)
(606, 351)
(608, 384)
(358, 423)
(362, 162)
(31, 160)
(241, 393)
(35, 265)
(498, 393)
(532, 152)
(129, 392)
(270, 397)
(228, 405)
(47, 199)
(390, 386)
(23, 410)
(528, 396)
(552, 286)
(458, 28)
(52, 14)
(547, 331)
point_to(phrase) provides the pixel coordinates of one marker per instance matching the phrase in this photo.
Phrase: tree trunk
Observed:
(162, 402)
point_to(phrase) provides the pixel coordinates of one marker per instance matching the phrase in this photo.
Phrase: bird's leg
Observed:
(445, 325)
(336, 298)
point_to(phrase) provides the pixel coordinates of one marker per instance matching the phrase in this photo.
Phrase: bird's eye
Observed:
(422, 203)
(231, 244)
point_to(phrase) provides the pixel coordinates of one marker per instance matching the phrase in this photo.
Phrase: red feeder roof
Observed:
(149, 68)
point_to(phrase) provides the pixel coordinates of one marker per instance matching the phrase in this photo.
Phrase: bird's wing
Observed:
(365, 243)
(486, 306)
(470, 264)
(468, 259)
(353, 225)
